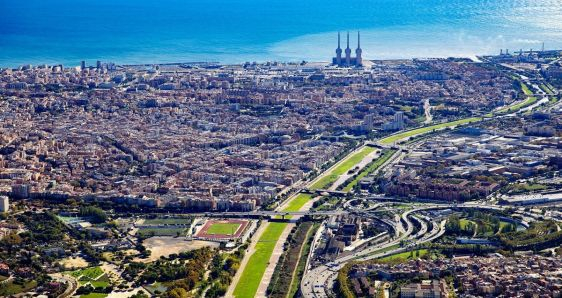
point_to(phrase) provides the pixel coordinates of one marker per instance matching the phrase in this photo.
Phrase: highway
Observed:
(365, 212)
(319, 281)
(291, 216)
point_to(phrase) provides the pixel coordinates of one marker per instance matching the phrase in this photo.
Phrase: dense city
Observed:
(359, 178)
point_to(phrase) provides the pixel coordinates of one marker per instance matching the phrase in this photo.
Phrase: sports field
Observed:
(167, 221)
(149, 232)
(91, 273)
(223, 228)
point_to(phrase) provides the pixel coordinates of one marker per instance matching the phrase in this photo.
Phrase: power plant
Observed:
(348, 61)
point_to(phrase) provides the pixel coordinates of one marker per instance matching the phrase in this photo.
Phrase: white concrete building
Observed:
(4, 204)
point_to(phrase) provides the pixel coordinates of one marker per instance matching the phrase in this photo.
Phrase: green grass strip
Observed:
(404, 256)
(342, 168)
(513, 108)
(525, 89)
(369, 169)
(255, 268)
(422, 130)
(297, 202)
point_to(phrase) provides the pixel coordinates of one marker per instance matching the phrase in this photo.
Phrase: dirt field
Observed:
(71, 263)
(164, 246)
(127, 293)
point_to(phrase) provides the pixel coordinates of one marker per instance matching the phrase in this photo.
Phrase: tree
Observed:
(217, 290)
(176, 293)
(12, 238)
(139, 294)
(192, 278)
(453, 225)
(96, 214)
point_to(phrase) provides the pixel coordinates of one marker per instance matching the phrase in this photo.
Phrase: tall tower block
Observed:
(347, 52)
(4, 204)
(338, 52)
(358, 51)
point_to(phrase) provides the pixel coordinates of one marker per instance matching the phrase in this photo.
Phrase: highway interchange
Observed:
(319, 281)
(411, 227)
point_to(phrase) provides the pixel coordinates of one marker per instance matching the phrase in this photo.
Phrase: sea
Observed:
(236, 31)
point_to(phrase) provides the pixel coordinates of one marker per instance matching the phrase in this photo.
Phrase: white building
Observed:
(396, 124)
(4, 204)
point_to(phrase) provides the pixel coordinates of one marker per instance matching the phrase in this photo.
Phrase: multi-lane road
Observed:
(319, 281)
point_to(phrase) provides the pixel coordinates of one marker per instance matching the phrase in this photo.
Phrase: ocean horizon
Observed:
(225, 31)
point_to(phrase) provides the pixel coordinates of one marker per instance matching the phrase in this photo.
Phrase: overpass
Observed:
(381, 146)
(261, 214)
(367, 212)
(318, 281)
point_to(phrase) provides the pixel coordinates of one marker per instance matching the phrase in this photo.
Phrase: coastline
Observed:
(378, 44)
